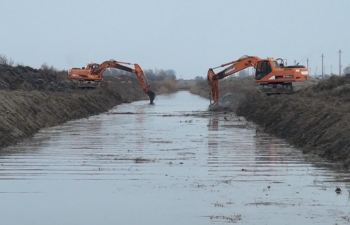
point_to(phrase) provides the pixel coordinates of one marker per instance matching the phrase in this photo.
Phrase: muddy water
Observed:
(168, 163)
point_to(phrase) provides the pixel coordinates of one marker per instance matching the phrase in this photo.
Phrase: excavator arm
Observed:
(233, 67)
(138, 71)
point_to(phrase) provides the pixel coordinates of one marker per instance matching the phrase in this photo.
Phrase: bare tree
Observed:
(11, 62)
(347, 70)
(19, 64)
(198, 78)
(46, 68)
(3, 60)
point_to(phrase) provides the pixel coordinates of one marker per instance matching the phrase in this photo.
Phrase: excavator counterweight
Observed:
(91, 76)
(269, 73)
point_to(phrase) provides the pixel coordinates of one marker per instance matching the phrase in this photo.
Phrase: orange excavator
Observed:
(91, 76)
(269, 73)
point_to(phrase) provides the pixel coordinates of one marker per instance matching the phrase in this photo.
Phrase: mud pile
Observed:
(28, 79)
(32, 99)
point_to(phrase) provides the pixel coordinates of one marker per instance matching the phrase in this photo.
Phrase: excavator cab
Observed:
(262, 69)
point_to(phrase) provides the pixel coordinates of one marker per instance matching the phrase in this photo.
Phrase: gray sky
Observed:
(188, 36)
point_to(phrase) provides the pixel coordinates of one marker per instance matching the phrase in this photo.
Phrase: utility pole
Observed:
(322, 66)
(295, 62)
(340, 52)
(331, 70)
(307, 63)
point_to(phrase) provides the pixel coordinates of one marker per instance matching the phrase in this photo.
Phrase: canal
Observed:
(168, 163)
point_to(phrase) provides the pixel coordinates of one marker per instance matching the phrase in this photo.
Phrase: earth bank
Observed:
(32, 99)
(315, 118)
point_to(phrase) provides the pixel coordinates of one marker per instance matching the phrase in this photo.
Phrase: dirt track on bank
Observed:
(315, 118)
(32, 99)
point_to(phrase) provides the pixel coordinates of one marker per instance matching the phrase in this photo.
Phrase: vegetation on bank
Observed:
(166, 86)
(241, 87)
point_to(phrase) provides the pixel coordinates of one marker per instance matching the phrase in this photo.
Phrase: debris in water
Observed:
(338, 190)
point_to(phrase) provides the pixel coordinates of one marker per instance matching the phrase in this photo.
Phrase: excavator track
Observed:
(88, 84)
(276, 89)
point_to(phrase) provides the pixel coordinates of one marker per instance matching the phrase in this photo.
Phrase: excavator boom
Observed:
(93, 73)
(144, 82)
(233, 67)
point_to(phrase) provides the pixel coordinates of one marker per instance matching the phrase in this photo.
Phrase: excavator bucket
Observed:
(151, 95)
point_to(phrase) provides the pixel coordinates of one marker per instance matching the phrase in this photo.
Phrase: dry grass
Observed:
(233, 85)
(165, 86)
(201, 89)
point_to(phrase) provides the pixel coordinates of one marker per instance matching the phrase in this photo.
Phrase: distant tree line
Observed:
(8, 61)
(160, 74)
(152, 75)
(242, 73)
(198, 78)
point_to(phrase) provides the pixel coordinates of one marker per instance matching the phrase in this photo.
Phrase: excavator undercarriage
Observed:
(276, 89)
(88, 84)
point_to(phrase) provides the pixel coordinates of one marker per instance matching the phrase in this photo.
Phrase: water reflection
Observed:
(139, 123)
(213, 144)
(213, 122)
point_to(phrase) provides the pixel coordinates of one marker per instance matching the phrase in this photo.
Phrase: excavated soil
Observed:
(315, 118)
(32, 99)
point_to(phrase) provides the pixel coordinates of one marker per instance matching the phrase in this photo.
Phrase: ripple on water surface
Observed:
(168, 163)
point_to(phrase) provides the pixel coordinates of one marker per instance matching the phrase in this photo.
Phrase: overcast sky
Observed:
(188, 36)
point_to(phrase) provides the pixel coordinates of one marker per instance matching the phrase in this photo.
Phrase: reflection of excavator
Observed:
(91, 76)
(268, 73)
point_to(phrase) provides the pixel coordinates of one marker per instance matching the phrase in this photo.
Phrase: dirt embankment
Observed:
(32, 99)
(315, 118)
